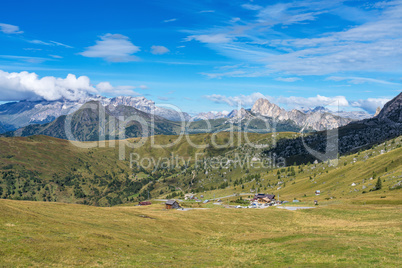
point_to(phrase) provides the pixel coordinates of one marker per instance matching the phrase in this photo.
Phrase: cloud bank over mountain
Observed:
(29, 86)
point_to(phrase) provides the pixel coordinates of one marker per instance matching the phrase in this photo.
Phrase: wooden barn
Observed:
(172, 204)
(144, 203)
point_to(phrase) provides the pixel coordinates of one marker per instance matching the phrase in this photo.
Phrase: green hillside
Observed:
(351, 227)
(48, 169)
(40, 168)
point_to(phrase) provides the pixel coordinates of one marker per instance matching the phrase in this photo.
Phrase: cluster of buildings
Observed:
(192, 197)
(263, 200)
(259, 200)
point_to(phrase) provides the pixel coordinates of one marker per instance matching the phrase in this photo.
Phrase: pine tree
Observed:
(378, 185)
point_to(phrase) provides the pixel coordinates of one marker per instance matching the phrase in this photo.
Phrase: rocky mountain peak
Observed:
(211, 115)
(242, 113)
(320, 109)
(318, 118)
(392, 111)
(266, 108)
(377, 112)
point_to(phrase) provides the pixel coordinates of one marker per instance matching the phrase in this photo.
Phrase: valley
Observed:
(201, 133)
(75, 203)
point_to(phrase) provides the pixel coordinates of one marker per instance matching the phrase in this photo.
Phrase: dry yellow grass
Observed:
(55, 234)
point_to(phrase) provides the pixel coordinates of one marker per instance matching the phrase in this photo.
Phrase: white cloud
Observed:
(159, 50)
(370, 46)
(12, 29)
(32, 49)
(235, 101)
(40, 42)
(237, 73)
(143, 87)
(50, 43)
(26, 58)
(61, 44)
(240, 72)
(371, 42)
(291, 102)
(288, 13)
(112, 48)
(313, 101)
(163, 98)
(56, 56)
(170, 20)
(224, 112)
(361, 80)
(371, 104)
(207, 11)
(251, 7)
(9, 29)
(288, 79)
(244, 52)
(24, 85)
(29, 86)
(211, 39)
(107, 88)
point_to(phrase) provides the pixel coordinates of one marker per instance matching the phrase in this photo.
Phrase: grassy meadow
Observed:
(351, 227)
(341, 235)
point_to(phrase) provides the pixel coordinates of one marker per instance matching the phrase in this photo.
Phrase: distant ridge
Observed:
(317, 119)
(86, 124)
(15, 115)
(352, 137)
(24, 113)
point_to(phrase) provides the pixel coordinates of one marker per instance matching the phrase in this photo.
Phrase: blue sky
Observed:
(204, 56)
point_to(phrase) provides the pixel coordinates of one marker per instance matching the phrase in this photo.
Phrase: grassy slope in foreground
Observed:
(46, 234)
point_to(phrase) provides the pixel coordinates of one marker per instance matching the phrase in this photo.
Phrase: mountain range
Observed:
(93, 121)
(317, 119)
(28, 114)
(355, 136)
(354, 115)
(24, 113)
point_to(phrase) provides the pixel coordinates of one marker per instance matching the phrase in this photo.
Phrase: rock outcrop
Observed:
(317, 119)
(392, 111)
